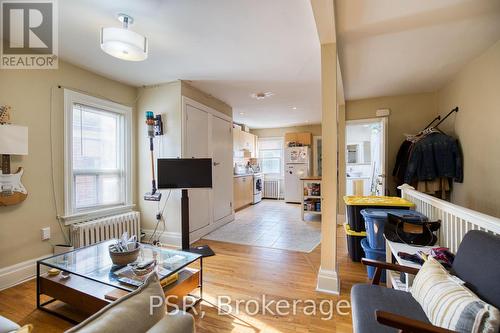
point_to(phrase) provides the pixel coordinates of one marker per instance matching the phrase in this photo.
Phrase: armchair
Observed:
(379, 309)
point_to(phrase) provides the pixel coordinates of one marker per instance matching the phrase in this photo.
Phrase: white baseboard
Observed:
(196, 235)
(341, 219)
(328, 282)
(18, 273)
(167, 238)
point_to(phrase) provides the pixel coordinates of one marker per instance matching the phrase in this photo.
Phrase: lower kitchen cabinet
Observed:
(243, 191)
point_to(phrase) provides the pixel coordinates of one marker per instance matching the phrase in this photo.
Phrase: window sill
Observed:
(95, 214)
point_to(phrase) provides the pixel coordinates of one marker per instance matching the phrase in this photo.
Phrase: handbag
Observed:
(416, 233)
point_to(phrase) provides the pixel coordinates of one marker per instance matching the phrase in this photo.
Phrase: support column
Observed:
(328, 280)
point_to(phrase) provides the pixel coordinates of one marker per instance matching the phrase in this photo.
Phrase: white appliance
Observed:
(258, 186)
(297, 165)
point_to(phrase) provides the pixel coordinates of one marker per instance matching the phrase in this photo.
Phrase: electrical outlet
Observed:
(46, 233)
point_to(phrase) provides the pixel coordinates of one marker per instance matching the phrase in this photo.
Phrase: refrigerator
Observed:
(297, 165)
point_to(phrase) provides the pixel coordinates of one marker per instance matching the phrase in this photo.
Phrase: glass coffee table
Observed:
(88, 280)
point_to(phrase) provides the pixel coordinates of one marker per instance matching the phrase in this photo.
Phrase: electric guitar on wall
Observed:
(12, 190)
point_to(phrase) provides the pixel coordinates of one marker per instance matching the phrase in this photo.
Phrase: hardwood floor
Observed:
(241, 272)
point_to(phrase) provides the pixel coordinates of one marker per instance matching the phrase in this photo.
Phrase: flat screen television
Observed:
(184, 173)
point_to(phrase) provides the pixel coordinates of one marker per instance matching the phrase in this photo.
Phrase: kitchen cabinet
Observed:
(303, 138)
(244, 141)
(243, 191)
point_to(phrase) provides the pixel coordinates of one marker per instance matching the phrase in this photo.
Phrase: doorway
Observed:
(365, 151)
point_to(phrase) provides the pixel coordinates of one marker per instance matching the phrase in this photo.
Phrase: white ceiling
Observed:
(389, 47)
(228, 48)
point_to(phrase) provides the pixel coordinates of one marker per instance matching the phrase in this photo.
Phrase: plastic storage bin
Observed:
(375, 220)
(354, 243)
(355, 204)
(375, 255)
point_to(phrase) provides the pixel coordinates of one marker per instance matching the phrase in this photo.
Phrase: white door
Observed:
(222, 143)
(197, 138)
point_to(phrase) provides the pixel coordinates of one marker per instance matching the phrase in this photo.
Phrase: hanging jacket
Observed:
(435, 156)
(402, 157)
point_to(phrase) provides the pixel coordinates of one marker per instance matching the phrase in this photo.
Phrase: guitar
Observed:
(12, 190)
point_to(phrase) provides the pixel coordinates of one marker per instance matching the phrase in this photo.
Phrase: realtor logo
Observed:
(29, 34)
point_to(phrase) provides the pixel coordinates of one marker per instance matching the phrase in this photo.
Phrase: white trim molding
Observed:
(18, 273)
(197, 234)
(167, 238)
(328, 282)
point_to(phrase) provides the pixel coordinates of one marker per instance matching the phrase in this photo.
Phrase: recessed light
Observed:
(261, 95)
(242, 113)
(294, 108)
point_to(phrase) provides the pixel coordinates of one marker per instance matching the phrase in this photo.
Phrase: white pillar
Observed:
(328, 280)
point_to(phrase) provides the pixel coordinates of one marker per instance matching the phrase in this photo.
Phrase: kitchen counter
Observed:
(310, 178)
(243, 175)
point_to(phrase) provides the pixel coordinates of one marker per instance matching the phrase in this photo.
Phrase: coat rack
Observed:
(449, 113)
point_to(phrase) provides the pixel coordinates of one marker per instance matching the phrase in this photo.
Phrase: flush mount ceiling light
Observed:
(262, 95)
(123, 43)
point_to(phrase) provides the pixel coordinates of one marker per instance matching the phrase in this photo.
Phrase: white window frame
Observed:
(282, 158)
(71, 214)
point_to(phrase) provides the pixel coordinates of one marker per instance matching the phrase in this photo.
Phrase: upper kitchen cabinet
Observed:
(244, 142)
(302, 138)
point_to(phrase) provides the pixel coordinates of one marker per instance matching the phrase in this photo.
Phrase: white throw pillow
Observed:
(449, 304)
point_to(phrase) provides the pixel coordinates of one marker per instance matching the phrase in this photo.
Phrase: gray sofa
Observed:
(379, 309)
(134, 313)
(7, 326)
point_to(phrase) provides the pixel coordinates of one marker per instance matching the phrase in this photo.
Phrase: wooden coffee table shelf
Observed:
(88, 293)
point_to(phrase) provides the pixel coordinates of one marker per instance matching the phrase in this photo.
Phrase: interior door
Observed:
(222, 143)
(197, 140)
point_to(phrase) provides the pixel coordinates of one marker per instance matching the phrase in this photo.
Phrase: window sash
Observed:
(273, 145)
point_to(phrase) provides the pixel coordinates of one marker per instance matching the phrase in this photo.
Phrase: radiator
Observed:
(98, 230)
(272, 189)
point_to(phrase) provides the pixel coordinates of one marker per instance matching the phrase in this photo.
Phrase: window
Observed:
(271, 155)
(98, 154)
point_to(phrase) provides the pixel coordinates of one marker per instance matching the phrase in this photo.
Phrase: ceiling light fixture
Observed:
(242, 113)
(262, 95)
(294, 108)
(123, 43)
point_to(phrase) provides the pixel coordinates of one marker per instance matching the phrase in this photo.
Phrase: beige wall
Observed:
(29, 93)
(164, 99)
(205, 99)
(476, 91)
(409, 114)
(280, 131)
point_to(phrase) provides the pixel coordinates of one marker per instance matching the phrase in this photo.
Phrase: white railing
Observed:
(456, 221)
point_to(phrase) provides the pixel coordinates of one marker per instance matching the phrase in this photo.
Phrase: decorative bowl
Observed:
(124, 258)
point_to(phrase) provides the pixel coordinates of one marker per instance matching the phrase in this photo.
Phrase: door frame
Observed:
(384, 121)
(316, 138)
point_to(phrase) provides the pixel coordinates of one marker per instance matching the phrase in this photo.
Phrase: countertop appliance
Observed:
(258, 187)
(297, 165)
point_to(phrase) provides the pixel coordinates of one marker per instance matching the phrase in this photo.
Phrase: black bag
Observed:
(420, 233)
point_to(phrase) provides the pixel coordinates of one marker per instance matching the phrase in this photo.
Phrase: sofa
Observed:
(379, 309)
(133, 313)
(7, 326)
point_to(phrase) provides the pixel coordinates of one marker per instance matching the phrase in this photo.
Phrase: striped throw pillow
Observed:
(449, 304)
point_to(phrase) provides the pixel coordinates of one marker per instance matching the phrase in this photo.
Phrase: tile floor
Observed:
(272, 224)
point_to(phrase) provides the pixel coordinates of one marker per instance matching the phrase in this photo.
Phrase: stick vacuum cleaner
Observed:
(152, 122)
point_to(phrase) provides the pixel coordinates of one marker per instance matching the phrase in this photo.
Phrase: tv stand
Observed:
(204, 250)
